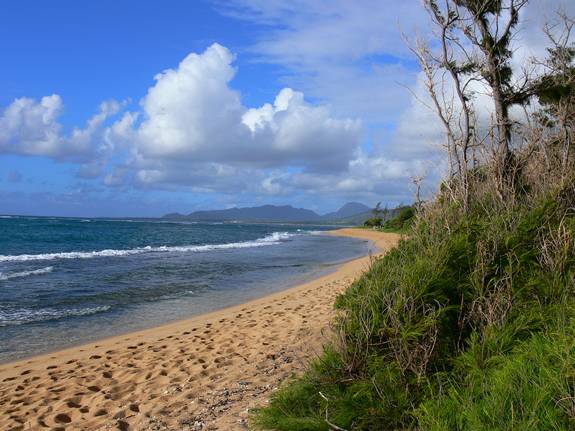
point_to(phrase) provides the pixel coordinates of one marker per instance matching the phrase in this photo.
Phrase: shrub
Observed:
(402, 221)
(373, 222)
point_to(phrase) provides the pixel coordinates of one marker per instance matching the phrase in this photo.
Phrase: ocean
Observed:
(65, 281)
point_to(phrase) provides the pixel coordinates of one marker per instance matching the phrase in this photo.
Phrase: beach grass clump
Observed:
(529, 388)
(465, 325)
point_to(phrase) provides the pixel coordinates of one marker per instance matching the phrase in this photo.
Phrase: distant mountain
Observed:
(350, 209)
(285, 213)
(273, 213)
(174, 216)
(354, 220)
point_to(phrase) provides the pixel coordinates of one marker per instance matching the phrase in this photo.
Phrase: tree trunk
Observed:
(503, 155)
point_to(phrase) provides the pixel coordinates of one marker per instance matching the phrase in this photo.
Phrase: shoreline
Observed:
(120, 382)
(315, 275)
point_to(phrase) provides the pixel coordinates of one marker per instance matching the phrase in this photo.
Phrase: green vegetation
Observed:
(402, 222)
(379, 216)
(467, 328)
(399, 224)
(373, 222)
(469, 323)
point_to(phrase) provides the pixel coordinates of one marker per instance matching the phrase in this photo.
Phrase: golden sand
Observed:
(202, 373)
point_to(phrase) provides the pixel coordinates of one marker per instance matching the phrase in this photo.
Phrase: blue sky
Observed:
(139, 108)
(92, 51)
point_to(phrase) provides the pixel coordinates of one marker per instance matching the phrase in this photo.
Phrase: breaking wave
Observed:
(20, 316)
(20, 274)
(274, 238)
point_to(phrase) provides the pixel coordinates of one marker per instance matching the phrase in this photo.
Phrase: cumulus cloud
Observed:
(363, 137)
(32, 128)
(191, 130)
(352, 55)
(191, 110)
(303, 133)
(194, 128)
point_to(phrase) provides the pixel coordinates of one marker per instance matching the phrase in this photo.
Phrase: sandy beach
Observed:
(203, 373)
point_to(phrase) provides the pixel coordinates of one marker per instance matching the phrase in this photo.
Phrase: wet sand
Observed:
(203, 373)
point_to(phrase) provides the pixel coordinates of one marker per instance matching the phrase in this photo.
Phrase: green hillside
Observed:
(469, 323)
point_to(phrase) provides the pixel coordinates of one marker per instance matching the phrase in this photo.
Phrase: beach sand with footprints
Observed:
(203, 373)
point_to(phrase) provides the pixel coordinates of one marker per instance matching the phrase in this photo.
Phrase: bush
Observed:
(402, 221)
(373, 222)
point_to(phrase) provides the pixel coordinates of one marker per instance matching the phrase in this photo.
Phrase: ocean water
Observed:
(66, 281)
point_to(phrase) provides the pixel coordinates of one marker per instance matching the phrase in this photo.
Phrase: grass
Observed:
(529, 388)
(466, 325)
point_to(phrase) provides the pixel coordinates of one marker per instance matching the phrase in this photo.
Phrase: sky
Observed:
(141, 108)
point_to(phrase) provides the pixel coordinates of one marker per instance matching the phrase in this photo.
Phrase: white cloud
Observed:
(303, 133)
(192, 114)
(348, 53)
(29, 127)
(363, 137)
(191, 110)
(193, 131)
(531, 41)
(352, 55)
(302, 32)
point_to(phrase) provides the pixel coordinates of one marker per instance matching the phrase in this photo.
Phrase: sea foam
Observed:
(20, 316)
(20, 274)
(274, 238)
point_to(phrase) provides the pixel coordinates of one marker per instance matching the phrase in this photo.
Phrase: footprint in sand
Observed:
(62, 418)
(73, 404)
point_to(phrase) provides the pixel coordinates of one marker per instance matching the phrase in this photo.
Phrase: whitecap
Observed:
(20, 274)
(20, 316)
(274, 238)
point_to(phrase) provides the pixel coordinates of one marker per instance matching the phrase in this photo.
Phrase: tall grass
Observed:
(466, 325)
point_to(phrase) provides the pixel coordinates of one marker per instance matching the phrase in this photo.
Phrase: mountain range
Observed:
(351, 212)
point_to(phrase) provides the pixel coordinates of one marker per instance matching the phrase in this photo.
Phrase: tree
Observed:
(373, 222)
(377, 211)
(456, 117)
(475, 45)
(556, 88)
(490, 26)
(417, 180)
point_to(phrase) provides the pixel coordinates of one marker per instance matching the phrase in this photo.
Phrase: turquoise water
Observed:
(68, 281)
